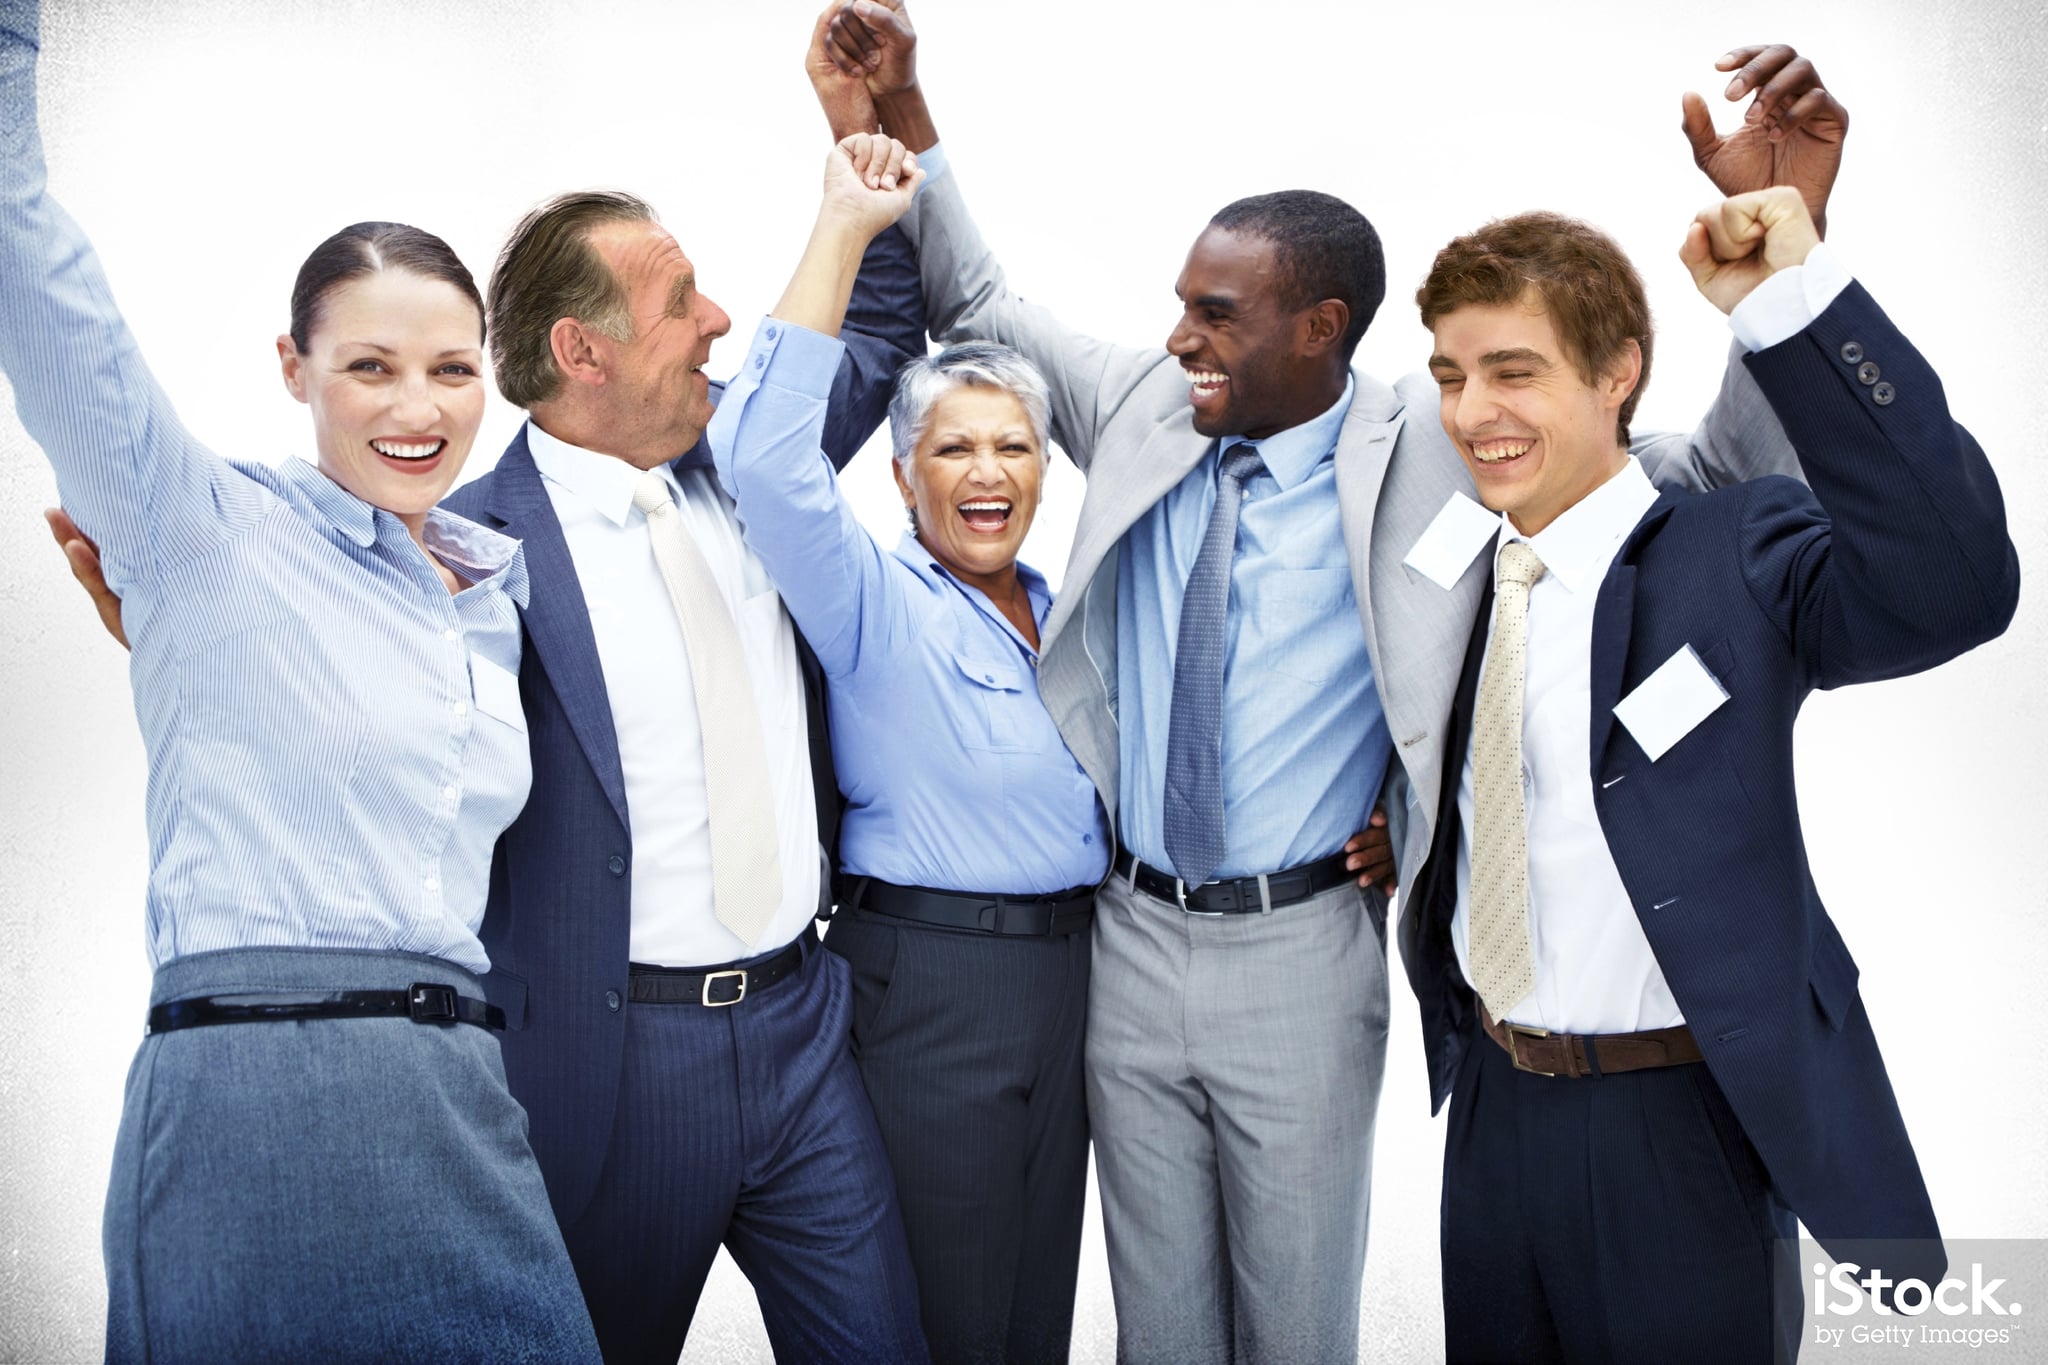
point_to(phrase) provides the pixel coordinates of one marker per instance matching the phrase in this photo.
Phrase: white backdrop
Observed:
(208, 146)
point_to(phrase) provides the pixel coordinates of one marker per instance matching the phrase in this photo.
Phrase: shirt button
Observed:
(448, 791)
(1087, 838)
(617, 865)
(760, 361)
(989, 678)
(460, 708)
(771, 333)
(451, 634)
(433, 883)
(611, 1001)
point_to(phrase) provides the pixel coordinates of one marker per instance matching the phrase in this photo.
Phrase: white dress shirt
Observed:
(1594, 969)
(1595, 972)
(654, 709)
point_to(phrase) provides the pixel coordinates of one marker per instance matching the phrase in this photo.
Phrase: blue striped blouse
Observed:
(334, 740)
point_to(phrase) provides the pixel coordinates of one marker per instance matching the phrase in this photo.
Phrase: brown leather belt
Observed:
(1568, 1054)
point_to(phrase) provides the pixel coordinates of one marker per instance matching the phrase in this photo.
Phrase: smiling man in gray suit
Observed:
(1242, 663)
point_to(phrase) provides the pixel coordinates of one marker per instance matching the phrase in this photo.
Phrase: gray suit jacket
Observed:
(1122, 414)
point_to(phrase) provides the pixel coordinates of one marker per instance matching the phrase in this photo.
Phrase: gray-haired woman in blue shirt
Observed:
(972, 842)
(318, 1157)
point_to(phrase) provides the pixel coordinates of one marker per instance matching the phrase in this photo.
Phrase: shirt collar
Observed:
(1577, 548)
(925, 565)
(604, 482)
(341, 509)
(1290, 456)
(479, 550)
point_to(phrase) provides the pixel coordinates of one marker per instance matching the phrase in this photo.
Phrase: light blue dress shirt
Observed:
(334, 740)
(1305, 742)
(954, 775)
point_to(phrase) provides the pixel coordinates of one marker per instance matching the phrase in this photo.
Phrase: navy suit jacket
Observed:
(557, 923)
(1908, 565)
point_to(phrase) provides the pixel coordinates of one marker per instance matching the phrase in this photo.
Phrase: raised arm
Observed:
(884, 330)
(1905, 561)
(1791, 134)
(126, 468)
(966, 296)
(765, 435)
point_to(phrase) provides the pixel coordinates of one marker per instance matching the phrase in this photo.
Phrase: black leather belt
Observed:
(716, 987)
(1062, 912)
(1239, 895)
(423, 1002)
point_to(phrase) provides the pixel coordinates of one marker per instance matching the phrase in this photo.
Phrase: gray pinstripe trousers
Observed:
(1234, 1067)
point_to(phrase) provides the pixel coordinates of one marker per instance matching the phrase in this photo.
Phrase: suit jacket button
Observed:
(1882, 394)
(1867, 372)
(1852, 352)
(611, 1001)
(617, 865)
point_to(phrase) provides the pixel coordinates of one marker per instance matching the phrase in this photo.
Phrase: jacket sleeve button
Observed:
(1883, 394)
(1852, 352)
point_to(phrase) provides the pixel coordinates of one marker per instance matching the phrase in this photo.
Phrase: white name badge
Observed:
(496, 691)
(1666, 706)
(1461, 530)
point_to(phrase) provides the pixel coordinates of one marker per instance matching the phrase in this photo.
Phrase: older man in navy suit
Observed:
(1648, 1025)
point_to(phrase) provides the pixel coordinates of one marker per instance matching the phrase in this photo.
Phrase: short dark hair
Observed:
(1588, 285)
(549, 271)
(363, 249)
(1326, 250)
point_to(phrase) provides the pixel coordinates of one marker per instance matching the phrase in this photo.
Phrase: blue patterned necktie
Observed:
(1194, 734)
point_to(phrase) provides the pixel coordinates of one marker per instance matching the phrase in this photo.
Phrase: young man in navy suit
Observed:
(1648, 1025)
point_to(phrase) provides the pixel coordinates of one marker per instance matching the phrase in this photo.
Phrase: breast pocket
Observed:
(1291, 626)
(994, 704)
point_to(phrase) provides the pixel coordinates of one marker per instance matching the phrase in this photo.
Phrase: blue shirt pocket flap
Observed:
(989, 674)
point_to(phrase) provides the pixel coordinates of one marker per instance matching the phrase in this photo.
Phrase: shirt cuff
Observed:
(933, 160)
(1786, 304)
(792, 357)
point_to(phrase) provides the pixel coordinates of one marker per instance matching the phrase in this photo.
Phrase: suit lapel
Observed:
(1613, 623)
(1365, 446)
(1120, 490)
(557, 618)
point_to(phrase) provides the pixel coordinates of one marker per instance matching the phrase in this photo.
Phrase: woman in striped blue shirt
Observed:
(317, 1154)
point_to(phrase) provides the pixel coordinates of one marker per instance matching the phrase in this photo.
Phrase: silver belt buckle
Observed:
(1180, 897)
(709, 977)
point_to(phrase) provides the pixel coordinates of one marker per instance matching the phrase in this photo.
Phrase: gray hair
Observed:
(976, 364)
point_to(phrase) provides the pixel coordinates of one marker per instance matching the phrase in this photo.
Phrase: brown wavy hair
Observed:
(1589, 288)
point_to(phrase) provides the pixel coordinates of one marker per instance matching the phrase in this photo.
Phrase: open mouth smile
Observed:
(414, 455)
(986, 516)
(1204, 385)
(1501, 450)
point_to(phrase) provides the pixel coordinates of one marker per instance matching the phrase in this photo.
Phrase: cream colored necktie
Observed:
(746, 857)
(1503, 969)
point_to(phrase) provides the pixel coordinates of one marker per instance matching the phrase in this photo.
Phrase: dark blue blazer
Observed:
(1896, 560)
(557, 923)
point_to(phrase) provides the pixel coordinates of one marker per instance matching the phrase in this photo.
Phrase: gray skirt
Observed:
(329, 1190)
